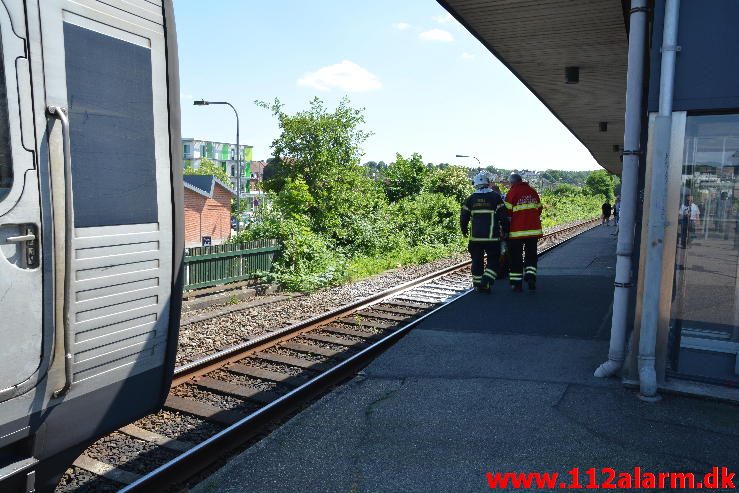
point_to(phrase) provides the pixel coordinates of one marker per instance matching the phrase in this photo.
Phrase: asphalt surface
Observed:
(493, 383)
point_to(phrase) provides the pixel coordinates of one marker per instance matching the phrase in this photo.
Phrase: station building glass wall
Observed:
(698, 334)
(704, 315)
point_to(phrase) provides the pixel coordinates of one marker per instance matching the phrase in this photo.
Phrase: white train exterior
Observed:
(90, 225)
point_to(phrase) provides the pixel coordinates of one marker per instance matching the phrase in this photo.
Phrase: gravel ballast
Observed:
(202, 338)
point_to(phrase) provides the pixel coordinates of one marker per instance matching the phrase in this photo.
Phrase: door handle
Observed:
(61, 114)
(28, 243)
(21, 238)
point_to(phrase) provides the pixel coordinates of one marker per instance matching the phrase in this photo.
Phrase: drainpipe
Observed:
(629, 184)
(657, 209)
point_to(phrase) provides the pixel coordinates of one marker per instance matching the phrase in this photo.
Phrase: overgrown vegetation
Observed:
(337, 220)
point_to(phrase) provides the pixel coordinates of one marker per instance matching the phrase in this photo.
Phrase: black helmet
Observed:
(515, 178)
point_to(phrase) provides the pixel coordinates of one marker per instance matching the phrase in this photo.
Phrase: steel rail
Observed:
(205, 453)
(229, 355)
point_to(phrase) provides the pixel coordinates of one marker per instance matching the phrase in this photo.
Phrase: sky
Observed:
(426, 84)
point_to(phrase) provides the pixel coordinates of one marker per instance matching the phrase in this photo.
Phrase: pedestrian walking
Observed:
(617, 209)
(484, 218)
(606, 210)
(524, 208)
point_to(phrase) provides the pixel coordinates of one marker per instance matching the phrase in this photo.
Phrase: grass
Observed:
(367, 266)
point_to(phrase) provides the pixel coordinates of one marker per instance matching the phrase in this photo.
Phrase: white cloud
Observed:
(347, 76)
(445, 18)
(436, 35)
(402, 26)
(466, 56)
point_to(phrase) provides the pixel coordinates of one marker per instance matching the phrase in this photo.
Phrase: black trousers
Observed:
(484, 274)
(524, 257)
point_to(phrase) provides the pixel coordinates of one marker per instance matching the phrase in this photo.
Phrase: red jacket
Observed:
(524, 208)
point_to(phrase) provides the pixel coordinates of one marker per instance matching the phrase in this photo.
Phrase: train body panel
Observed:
(90, 225)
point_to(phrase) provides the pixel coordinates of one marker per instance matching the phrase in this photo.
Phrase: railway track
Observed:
(222, 401)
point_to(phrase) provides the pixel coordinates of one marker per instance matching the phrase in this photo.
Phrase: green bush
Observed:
(427, 219)
(306, 260)
(567, 203)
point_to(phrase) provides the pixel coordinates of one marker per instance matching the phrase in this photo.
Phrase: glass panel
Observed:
(112, 129)
(704, 327)
(6, 161)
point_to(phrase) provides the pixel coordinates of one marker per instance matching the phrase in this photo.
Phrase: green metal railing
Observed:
(221, 264)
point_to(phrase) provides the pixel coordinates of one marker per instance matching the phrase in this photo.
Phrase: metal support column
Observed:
(629, 183)
(657, 208)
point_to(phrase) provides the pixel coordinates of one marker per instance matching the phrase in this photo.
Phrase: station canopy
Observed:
(538, 39)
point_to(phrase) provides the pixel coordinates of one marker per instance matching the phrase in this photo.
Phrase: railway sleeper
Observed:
(268, 375)
(105, 470)
(293, 361)
(202, 410)
(362, 321)
(385, 316)
(396, 302)
(236, 390)
(320, 350)
(400, 310)
(331, 339)
(437, 288)
(161, 440)
(368, 336)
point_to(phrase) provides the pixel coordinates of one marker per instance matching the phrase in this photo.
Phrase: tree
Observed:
(208, 167)
(317, 155)
(451, 181)
(601, 182)
(317, 145)
(404, 177)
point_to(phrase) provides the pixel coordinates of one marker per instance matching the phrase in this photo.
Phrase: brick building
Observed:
(207, 210)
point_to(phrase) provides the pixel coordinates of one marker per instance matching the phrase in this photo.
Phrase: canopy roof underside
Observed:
(537, 39)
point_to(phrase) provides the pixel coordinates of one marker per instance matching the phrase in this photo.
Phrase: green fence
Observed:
(221, 264)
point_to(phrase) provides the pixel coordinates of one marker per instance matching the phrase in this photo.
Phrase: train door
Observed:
(20, 224)
(105, 79)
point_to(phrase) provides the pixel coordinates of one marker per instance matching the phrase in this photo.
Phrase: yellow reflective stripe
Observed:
(523, 207)
(530, 232)
(484, 239)
(483, 211)
(464, 207)
(508, 205)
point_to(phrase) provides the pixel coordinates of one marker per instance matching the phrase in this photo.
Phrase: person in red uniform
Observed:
(524, 209)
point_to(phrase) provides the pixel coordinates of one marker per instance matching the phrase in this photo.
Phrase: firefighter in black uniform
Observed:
(486, 210)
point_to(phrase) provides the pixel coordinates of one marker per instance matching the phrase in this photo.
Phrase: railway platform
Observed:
(491, 383)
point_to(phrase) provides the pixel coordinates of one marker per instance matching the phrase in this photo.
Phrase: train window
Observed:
(6, 160)
(109, 88)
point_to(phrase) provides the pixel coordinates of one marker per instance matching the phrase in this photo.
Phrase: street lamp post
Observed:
(478, 161)
(203, 102)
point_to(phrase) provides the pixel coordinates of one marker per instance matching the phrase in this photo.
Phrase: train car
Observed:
(91, 236)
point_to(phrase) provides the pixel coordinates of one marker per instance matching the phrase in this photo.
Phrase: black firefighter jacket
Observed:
(488, 214)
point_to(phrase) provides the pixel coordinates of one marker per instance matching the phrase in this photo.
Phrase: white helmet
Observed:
(481, 180)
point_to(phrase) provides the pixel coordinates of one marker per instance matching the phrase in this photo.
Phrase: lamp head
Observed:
(201, 102)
